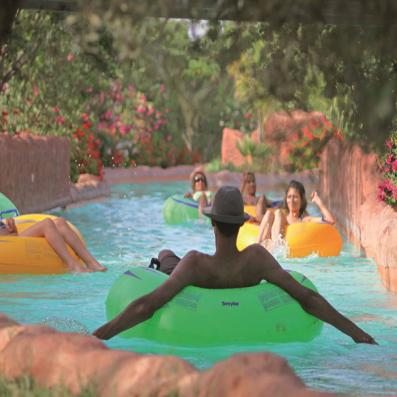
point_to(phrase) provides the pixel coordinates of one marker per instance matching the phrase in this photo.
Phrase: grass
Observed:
(27, 387)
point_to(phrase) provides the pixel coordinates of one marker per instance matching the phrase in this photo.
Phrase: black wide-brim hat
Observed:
(228, 206)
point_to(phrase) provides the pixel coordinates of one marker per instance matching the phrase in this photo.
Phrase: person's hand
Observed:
(188, 195)
(104, 332)
(363, 337)
(316, 198)
(10, 225)
(265, 202)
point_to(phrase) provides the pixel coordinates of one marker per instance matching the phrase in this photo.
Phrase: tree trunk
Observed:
(8, 10)
(260, 126)
(191, 119)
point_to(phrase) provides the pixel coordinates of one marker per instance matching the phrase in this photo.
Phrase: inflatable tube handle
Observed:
(10, 213)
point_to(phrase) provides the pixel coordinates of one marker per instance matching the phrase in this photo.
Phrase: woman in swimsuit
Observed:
(248, 191)
(57, 233)
(275, 224)
(200, 192)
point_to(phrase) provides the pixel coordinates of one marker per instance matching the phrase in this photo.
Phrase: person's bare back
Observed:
(244, 269)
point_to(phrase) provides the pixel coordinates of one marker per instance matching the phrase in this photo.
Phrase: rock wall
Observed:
(145, 174)
(34, 171)
(34, 174)
(280, 133)
(348, 184)
(229, 150)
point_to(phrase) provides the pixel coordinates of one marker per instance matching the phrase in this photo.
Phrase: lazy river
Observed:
(128, 229)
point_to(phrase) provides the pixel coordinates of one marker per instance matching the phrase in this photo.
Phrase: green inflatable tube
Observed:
(199, 317)
(178, 209)
(7, 207)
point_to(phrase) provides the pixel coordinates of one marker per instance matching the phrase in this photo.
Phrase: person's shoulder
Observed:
(257, 253)
(194, 256)
(256, 250)
(192, 265)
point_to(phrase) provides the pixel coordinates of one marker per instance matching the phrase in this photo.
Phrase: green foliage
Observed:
(350, 81)
(200, 81)
(256, 154)
(248, 147)
(216, 165)
(71, 88)
(192, 67)
(48, 90)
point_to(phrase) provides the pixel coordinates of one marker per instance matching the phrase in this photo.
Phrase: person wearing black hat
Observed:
(229, 268)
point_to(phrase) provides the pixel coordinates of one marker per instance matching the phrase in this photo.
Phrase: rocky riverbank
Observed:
(79, 361)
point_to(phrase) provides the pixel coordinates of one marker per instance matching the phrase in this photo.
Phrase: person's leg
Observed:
(279, 225)
(47, 229)
(168, 261)
(266, 227)
(77, 245)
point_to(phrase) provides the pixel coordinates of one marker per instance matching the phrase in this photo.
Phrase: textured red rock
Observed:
(371, 225)
(229, 150)
(8, 330)
(278, 129)
(147, 376)
(249, 374)
(79, 361)
(6, 321)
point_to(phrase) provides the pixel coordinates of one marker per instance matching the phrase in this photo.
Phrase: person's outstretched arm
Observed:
(144, 307)
(326, 213)
(311, 301)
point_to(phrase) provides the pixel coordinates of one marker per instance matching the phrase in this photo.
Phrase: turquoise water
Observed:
(128, 229)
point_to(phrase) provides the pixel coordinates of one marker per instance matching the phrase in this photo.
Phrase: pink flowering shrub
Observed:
(307, 143)
(134, 130)
(85, 154)
(387, 189)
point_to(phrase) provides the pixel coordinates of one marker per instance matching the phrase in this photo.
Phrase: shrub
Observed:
(308, 142)
(85, 154)
(387, 189)
(256, 154)
(216, 165)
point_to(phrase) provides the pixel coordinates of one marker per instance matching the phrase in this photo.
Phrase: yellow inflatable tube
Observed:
(306, 238)
(30, 255)
(303, 238)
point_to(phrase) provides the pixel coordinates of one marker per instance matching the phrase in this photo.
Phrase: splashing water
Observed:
(280, 247)
(66, 325)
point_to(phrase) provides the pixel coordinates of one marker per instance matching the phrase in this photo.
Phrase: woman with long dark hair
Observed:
(293, 211)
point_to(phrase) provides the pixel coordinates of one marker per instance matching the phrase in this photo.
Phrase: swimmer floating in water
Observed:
(58, 233)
